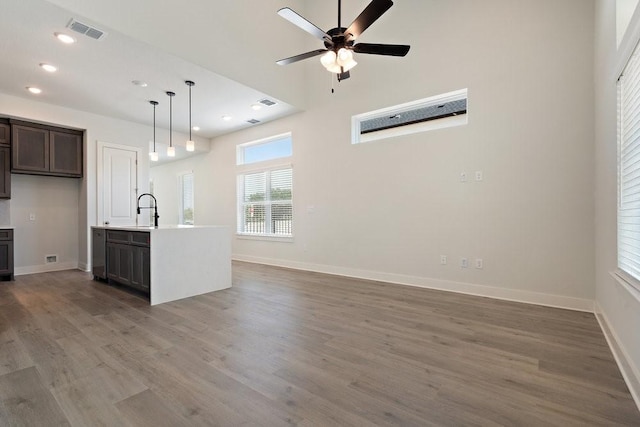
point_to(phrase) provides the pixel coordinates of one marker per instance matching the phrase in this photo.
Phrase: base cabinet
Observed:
(6, 254)
(129, 259)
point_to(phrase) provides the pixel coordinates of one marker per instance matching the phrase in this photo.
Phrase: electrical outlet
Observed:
(478, 175)
(479, 263)
(464, 263)
(443, 260)
(463, 177)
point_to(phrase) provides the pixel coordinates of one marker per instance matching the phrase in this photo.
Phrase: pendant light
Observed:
(191, 146)
(154, 154)
(171, 150)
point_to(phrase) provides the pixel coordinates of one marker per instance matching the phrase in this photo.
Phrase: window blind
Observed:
(265, 206)
(629, 168)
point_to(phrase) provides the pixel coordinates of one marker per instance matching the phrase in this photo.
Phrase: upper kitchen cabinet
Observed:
(5, 134)
(45, 150)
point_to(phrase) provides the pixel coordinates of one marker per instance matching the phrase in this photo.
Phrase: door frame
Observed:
(100, 174)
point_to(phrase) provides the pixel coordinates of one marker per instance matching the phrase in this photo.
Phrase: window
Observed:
(185, 183)
(265, 188)
(629, 169)
(446, 110)
(265, 149)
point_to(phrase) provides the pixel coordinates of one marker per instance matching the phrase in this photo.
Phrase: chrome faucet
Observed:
(155, 208)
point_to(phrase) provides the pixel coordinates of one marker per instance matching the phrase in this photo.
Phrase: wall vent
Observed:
(85, 29)
(253, 121)
(50, 259)
(267, 102)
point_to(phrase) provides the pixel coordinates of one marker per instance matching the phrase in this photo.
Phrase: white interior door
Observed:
(120, 185)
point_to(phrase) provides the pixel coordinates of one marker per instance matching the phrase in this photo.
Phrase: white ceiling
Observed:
(96, 75)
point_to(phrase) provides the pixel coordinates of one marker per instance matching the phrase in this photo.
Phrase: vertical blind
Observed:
(629, 168)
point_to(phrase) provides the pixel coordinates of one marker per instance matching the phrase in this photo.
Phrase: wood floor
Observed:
(292, 348)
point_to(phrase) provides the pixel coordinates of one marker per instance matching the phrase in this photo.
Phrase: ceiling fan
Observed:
(339, 42)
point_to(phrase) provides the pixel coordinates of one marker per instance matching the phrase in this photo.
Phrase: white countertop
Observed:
(152, 228)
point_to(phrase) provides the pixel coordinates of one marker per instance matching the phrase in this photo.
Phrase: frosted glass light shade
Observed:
(328, 59)
(171, 151)
(191, 146)
(154, 156)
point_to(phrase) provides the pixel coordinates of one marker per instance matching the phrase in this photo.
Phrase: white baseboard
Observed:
(44, 268)
(630, 372)
(558, 301)
(84, 267)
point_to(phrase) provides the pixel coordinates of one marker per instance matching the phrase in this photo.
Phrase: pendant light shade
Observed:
(171, 150)
(154, 155)
(191, 146)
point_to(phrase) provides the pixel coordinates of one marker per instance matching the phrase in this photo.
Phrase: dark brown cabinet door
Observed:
(30, 149)
(6, 254)
(5, 172)
(141, 268)
(65, 154)
(119, 263)
(5, 134)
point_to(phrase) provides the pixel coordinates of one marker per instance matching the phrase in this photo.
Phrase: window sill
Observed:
(631, 284)
(265, 237)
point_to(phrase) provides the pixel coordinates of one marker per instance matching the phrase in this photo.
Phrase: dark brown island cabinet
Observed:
(128, 258)
(45, 150)
(6, 254)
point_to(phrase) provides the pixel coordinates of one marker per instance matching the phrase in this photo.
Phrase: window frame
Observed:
(624, 276)
(265, 166)
(268, 234)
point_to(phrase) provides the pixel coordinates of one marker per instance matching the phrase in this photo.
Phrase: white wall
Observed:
(388, 210)
(97, 128)
(618, 307)
(166, 188)
(55, 231)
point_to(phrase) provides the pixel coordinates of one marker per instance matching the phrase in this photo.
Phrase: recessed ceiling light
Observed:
(139, 83)
(196, 128)
(48, 67)
(226, 118)
(34, 90)
(64, 38)
(256, 107)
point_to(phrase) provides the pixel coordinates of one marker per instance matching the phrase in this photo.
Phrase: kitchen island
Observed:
(167, 262)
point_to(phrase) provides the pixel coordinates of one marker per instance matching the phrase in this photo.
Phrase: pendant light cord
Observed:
(190, 113)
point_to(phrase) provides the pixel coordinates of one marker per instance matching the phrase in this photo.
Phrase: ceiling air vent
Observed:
(267, 102)
(253, 121)
(87, 30)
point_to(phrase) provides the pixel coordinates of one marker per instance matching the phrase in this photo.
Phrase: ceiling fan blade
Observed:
(382, 49)
(369, 15)
(300, 57)
(302, 23)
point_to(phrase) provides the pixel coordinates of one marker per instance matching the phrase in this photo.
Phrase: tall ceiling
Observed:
(159, 42)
